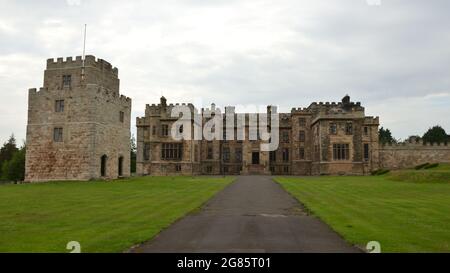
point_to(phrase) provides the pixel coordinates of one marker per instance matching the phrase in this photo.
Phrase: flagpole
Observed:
(84, 52)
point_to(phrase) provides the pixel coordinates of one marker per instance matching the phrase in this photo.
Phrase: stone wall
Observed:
(407, 155)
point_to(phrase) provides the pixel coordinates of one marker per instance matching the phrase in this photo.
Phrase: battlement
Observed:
(334, 104)
(230, 110)
(211, 110)
(372, 120)
(300, 110)
(36, 91)
(346, 104)
(156, 109)
(90, 61)
(414, 145)
(141, 121)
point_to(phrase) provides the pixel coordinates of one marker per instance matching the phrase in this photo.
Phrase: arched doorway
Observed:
(103, 160)
(120, 166)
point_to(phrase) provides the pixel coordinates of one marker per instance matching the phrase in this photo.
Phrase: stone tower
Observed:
(78, 123)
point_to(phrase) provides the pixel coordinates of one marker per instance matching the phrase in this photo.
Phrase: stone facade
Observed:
(78, 123)
(324, 138)
(411, 154)
(79, 129)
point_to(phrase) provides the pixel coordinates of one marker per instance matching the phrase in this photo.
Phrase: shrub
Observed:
(380, 172)
(421, 166)
(431, 166)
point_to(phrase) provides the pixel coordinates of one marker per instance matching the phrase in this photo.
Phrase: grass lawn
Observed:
(102, 216)
(403, 213)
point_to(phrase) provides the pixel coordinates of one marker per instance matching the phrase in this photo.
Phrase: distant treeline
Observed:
(435, 134)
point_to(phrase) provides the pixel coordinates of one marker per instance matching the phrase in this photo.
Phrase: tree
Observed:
(133, 155)
(435, 134)
(7, 151)
(413, 139)
(385, 136)
(15, 170)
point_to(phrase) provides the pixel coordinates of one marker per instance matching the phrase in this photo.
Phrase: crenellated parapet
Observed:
(35, 91)
(164, 109)
(300, 110)
(346, 109)
(372, 120)
(140, 122)
(77, 62)
(415, 145)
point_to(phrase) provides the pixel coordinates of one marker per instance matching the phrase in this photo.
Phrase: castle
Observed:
(78, 123)
(79, 129)
(324, 138)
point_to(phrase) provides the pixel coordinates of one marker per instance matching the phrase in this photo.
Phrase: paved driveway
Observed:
(254, 214)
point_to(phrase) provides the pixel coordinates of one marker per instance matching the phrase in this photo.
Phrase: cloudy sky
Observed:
(393, 57)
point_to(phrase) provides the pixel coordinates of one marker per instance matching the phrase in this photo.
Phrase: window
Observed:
(146, 151)
(366, 152)
(333, 128)
(349, 128)
(273, 156)
(121, 116)
(58, 134)
(301, 153)
(154, 130)
(210, 153)
(59, 106)
(226, 154)
(301, 136)
(302, 122)
(178, 168)
(341, 151)
(180, 129)
(67, 80)
(255, 158)
(285, 136)
(238, 155)
(366, 130)
(286, 155)
(164, 130)
(171, 151)
(209, 169)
